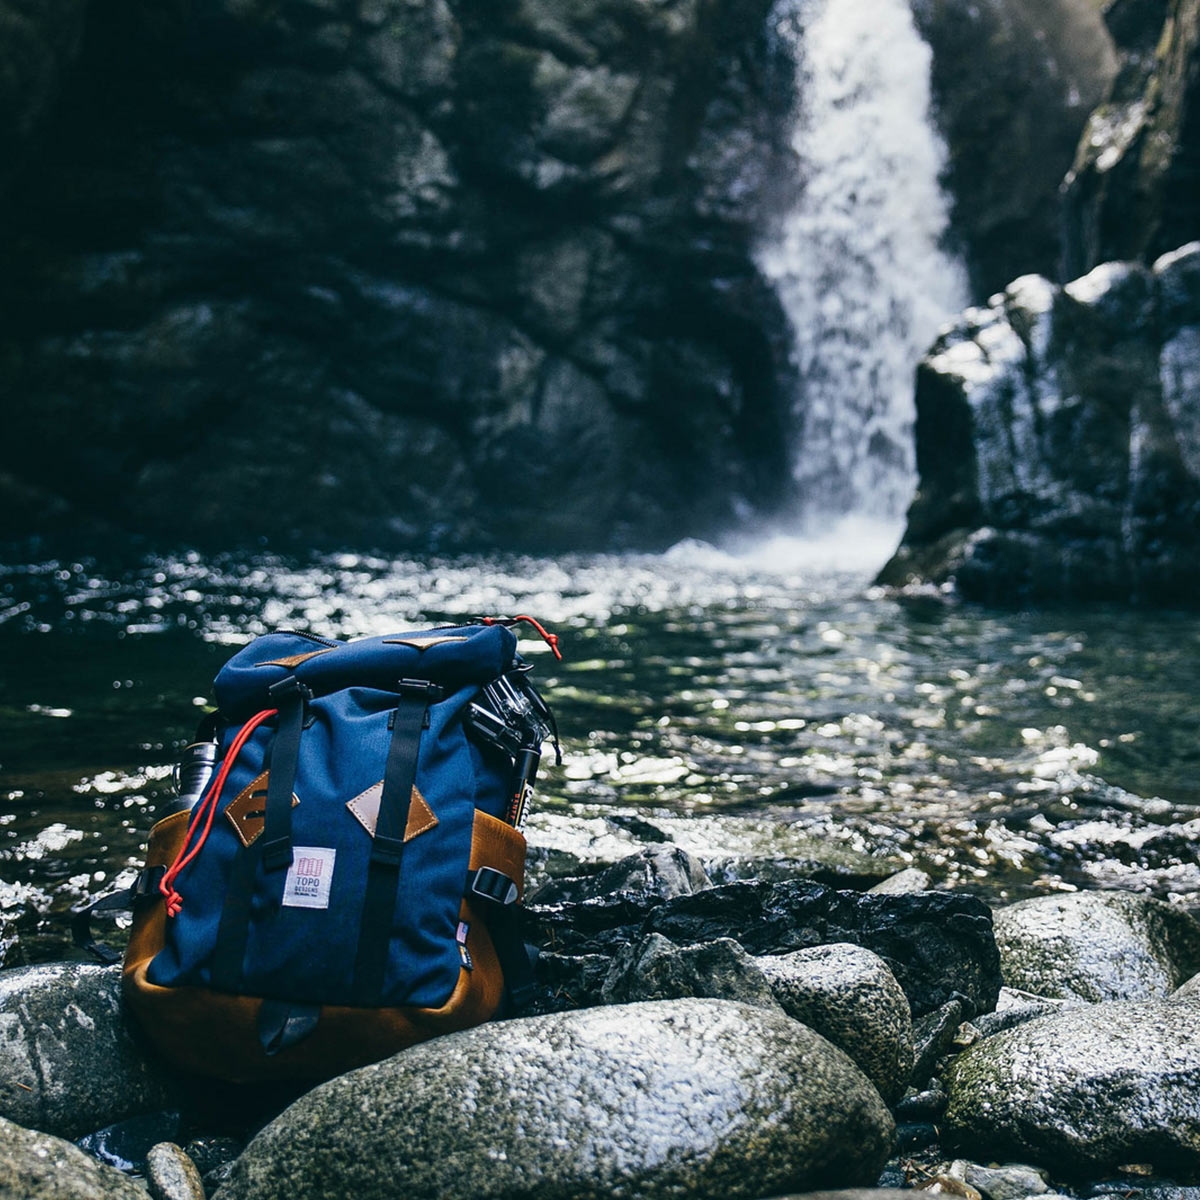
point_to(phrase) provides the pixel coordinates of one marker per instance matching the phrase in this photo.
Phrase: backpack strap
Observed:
(144, 886)
(387, 850)
(504, 925)
(273, 849)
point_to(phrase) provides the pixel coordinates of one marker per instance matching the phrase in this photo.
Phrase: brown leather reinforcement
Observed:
(365, 809)
(423, 643)
(293, 660)
(214, 1033)
(247, 811)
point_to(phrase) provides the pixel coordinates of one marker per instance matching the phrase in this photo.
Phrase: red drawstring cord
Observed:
(206, 810)
(551, 639)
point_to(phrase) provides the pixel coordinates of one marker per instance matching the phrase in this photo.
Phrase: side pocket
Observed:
(149, 931)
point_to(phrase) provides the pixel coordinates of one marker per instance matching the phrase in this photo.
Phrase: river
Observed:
(767, 710)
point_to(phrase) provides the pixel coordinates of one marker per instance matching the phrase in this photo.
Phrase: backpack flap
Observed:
(452, 657)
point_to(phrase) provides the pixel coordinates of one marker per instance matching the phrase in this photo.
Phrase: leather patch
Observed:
(247, 811)
(424, 643)
(293, 660)
(365, 807)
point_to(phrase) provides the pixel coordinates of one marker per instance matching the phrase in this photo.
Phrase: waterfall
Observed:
(857, 263)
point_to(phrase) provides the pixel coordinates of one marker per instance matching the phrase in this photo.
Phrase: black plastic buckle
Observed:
(277, 854)
(421, 688)
(494, 885)
(289, 686)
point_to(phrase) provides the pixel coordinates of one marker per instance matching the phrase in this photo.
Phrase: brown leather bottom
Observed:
(215, 1033)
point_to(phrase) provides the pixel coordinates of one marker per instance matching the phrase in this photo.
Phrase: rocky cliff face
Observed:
(390, 272)
(1058, 439)
(1014, 82)
(1134, 190)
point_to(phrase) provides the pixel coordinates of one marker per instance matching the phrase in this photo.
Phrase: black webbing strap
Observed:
(272, 848)
(504, 926)
(383, 872)
(290, 697)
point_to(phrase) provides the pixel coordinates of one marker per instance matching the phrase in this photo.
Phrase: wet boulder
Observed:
(1095, 946)
(703, 1098)
(35, 1165)
(656, 969)
(172, 1174)
(935, 943)
(69, 1063)
(848, 995)
(654, 873)
(1086, 1089)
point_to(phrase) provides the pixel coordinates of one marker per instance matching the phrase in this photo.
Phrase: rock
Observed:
(935, 943)
(654, 873)
(845, 1194)
(920, 1106)
(172, 1175)
(212, 1151)
(933, 1037)
(949, 1185)
(1058, 451)
(1131, 192)
(1015, 1008)
(1188, 989)
(1086, 1089)
(1095, 946)
(127, 1144)
(36, 1165)
(903, 883)
(848, 995)
(656, 969)
(1013, 84)
(698, 1097)
(1010, 1182)
(445, 248)
(39, 43)
(68, 1061)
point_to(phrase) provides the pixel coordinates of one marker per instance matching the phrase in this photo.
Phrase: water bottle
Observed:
(193, 772)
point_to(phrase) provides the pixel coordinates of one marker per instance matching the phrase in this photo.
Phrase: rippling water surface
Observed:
(768, 712)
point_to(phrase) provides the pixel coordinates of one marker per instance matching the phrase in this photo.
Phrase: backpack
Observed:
(347, 882)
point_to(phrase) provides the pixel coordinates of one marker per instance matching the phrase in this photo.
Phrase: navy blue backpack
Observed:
(345, 879)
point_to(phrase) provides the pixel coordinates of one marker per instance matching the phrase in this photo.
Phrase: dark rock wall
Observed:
(1134, 190)
(385, 272)
(1013, 84)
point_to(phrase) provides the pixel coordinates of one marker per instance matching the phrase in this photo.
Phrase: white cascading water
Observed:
(858, 263)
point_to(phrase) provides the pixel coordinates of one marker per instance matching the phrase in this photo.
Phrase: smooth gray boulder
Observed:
(848, 995)
(69, 1063)
(697, 1098)
(1096, 946)
(38, 1166)
(1085, 1089)
(172, 1175)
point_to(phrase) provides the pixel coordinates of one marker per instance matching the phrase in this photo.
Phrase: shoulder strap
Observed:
(273, 849)
(383, 873)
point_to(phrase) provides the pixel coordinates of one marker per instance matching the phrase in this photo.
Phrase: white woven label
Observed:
(309, 878)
